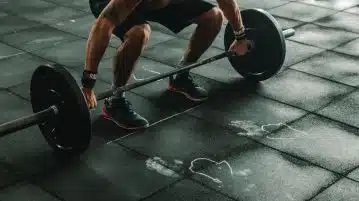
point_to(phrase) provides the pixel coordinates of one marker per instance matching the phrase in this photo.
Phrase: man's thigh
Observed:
(177, 16)
(135, 18)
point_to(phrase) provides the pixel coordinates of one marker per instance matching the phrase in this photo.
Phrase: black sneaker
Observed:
(119, 111)
(186, 86)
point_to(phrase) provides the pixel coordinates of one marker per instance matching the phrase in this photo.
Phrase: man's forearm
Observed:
(232, 13)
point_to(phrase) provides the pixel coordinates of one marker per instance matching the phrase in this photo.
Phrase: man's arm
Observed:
(113, 14)
(232, 13)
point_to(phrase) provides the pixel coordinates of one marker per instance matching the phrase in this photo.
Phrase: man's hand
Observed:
(90, 97)
(239, 47)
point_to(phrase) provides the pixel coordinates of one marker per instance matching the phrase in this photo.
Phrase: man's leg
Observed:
(129, 51)
(134, 33)
(117, 108)
(209, 21)
(208, 26)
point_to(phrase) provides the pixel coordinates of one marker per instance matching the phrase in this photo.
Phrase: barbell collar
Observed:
(28, 121)
(288, 33)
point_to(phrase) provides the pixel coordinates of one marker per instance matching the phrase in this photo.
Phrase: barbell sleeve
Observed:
(288, 33)
(28, 121)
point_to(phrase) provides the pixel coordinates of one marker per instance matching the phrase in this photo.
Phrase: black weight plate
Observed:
(70, 131)
(268, 54)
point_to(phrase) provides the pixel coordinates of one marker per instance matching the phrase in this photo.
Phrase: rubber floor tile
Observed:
(301, 12)
(245, 113)
(52, 14)
(19, 6)
(354, 175)
(297, 52)
(8, 176)
(334, 66)
(174, 49)
(335, 4)
(354, 10)
(258, 173)
(344, 189)
(18, 69)
(188, 190)
(262, 4)
(108, 173)
(76, 4)
(71, 54)
(303, 90)
(342, 21)
(13, 24)
(79, 26)
(8, 51)
(344, 109)
(37, 38)
(322, 37)
(179, 142)
(316, 139)
(351, 48)
(25, 191)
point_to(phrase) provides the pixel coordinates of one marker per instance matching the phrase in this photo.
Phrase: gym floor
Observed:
(292, 137)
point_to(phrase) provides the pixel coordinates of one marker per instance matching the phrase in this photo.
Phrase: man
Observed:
(128, 20)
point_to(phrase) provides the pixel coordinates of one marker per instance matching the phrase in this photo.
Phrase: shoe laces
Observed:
(128, 106)
(122, 103)
(190, 81)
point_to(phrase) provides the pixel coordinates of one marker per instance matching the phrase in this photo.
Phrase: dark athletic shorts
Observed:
(175, 16)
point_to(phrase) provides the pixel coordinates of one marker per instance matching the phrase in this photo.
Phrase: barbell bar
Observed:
(60, 109)
(286, 33)
(41, 116)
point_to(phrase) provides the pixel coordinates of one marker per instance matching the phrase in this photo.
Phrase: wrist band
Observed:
(240, 35)
(88, 79)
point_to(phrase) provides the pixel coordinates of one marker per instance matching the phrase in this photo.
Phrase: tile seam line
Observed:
(324, 188)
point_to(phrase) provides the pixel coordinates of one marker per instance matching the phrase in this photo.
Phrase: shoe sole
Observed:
(107, 117)
(187, 95)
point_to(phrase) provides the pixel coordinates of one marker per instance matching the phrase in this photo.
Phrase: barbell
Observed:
(61, 111)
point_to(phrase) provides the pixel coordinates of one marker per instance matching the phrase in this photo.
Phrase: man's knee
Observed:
(139, 34)
(213, 16)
